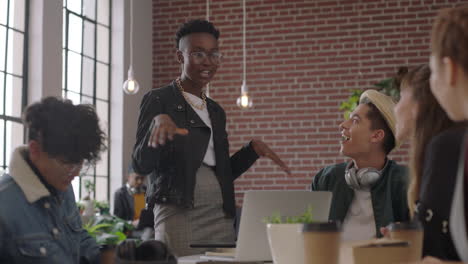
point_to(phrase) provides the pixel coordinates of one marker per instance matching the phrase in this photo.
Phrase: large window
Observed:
(86, 75)
(13, 34)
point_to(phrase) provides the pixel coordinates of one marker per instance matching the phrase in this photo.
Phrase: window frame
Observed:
(24, 93)
(92, 173)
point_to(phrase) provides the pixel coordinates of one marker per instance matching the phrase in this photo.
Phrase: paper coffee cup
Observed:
(412, 232)
(321, 242)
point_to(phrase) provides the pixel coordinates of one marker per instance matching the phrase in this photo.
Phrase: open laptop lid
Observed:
(252, 242)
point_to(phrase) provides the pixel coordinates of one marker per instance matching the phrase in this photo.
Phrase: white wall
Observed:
(125, 111)
(45, 69)
(45, 49)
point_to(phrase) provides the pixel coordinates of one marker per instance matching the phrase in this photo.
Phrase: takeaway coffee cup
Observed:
(412, 232)
(321, 242)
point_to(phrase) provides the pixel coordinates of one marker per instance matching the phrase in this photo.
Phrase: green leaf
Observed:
(349, 105)
(95, 228)
(275, 218)
(108, 229)
(120, 235)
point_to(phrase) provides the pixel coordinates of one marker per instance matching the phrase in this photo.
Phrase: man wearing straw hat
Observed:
(369, 191)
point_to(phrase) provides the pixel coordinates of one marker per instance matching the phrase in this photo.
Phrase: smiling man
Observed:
(369, 191)
(39, 219)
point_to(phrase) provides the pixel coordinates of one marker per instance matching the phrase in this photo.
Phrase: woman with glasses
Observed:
(183, 144)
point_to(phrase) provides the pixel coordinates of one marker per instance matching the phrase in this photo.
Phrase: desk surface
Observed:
(195, 259)
(345, 258)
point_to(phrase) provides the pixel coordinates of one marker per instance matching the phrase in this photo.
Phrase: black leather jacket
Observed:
(172, 167)
(436, 195)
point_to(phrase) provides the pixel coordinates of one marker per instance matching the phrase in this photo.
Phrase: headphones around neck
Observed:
(362, 179)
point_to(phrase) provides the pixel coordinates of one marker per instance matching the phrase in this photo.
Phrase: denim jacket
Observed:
(36, 227)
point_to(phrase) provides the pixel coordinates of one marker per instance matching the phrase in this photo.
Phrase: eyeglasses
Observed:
(199, 57)
(82, 166)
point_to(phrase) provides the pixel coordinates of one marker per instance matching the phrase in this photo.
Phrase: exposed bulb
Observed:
(131, 86)
(244, 101)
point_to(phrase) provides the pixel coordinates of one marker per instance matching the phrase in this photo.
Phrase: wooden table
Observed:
(346, 257)
(195, 259)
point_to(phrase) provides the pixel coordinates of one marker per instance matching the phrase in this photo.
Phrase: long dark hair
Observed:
(431, 119)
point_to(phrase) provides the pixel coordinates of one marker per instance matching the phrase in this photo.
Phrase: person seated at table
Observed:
(129, 199)
(39, 219)
(443, 199)
(421, 119)
(369, 191)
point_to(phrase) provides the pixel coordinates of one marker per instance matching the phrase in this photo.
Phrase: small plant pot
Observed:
(286, 243)
(107, 254)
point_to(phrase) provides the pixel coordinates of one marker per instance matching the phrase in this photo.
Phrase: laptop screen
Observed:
(252, 242)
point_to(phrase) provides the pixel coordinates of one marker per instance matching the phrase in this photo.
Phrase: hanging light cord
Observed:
(243, 43)
(131, 35)
(207, 89)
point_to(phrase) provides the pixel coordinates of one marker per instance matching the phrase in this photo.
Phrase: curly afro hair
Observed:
(65, 131)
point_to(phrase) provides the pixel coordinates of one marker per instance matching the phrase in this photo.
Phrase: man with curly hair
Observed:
(39, 219)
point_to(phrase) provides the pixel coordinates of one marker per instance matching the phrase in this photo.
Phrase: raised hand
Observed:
(264, 151)
(163, 129)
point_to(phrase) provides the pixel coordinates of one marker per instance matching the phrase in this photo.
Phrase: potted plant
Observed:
(88, 204)
(108, 231)
(102, 207)
(387, 86)
(285, 238)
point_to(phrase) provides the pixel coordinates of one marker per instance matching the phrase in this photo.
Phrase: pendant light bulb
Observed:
(131, 85)
(244, 101)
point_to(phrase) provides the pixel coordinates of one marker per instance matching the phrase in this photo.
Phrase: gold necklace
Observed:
(203, 97)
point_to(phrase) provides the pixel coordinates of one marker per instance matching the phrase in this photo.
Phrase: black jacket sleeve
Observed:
(242, 160)
(317, 184)
(144, 158)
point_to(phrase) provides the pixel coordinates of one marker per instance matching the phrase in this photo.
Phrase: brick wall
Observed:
(303, 57)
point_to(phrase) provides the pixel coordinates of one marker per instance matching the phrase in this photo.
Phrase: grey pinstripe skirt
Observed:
(206, 222)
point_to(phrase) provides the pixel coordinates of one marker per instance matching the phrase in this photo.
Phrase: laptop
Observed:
(252, 243)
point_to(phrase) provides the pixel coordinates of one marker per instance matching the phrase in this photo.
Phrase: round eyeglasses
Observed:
(82, 166)
(200, 57)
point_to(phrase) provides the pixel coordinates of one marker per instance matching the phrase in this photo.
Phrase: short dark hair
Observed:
(378, 122)
(66, 131)
(196, 26)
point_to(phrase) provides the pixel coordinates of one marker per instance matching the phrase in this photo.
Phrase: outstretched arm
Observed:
(263, 150)
(243, 159)
(154, 129)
